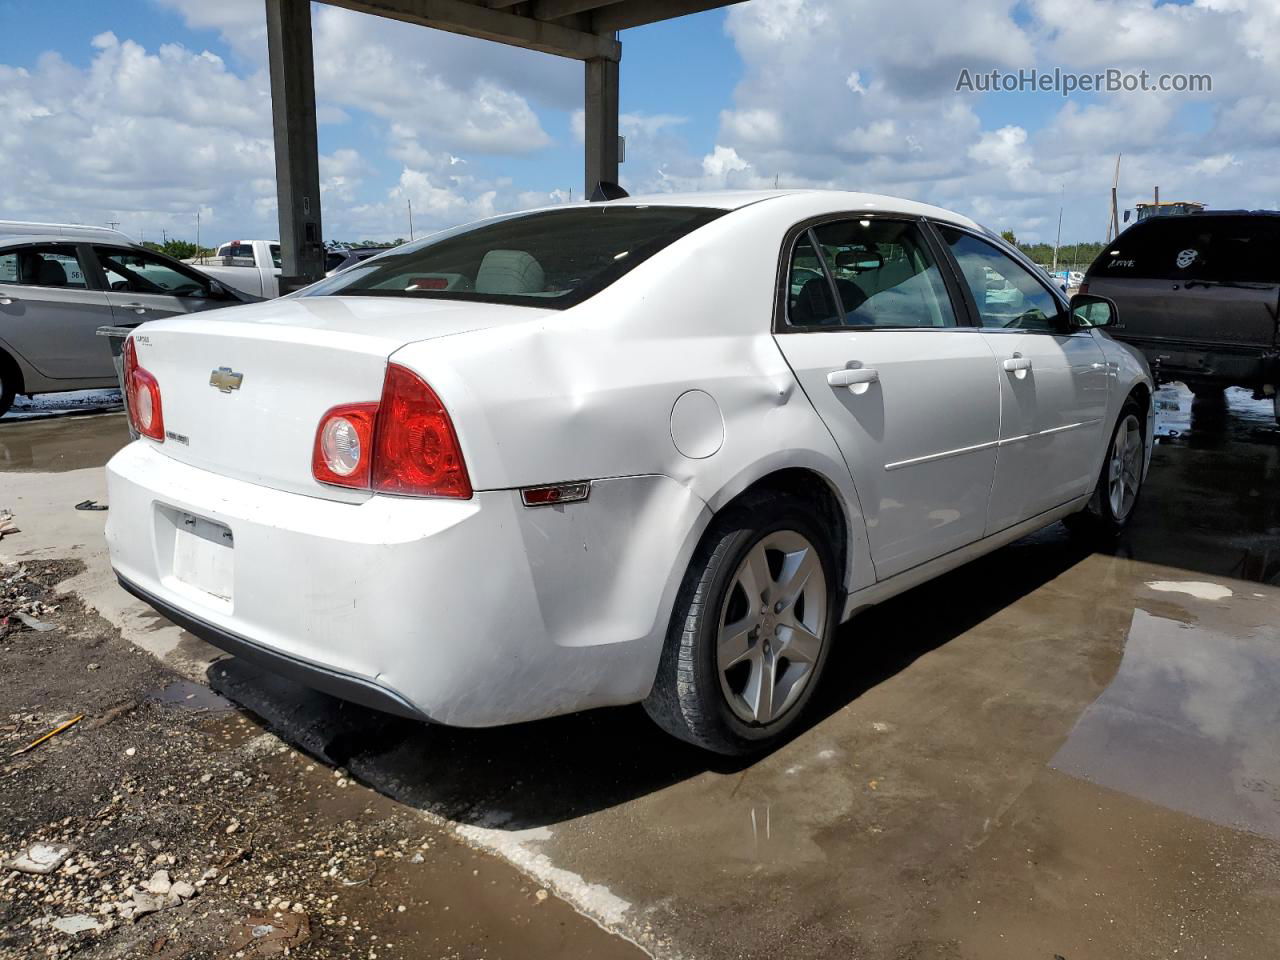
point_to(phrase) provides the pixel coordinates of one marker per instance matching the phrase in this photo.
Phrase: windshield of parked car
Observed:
(1220, 249)
(554, 258)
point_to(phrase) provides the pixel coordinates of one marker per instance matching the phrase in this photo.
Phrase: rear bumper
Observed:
(469, 613)
(1227, 364)
(332, 682)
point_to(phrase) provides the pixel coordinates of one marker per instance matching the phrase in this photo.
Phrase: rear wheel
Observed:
(1206, 391)
(1120, 482)
(751, 630)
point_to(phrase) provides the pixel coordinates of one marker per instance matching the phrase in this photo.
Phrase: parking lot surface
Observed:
(1052, 752)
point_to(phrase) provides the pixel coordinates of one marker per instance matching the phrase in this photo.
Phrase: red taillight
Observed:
(143, 396)
(404, 445)
(416, 452)
(343, 451)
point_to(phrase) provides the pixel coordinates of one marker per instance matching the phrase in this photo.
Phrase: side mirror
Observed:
(1089, 310)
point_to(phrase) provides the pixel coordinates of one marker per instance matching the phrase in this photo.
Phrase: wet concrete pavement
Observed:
(1051, 752)
(58, 444)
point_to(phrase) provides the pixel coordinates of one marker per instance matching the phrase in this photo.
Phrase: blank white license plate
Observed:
(203, 553)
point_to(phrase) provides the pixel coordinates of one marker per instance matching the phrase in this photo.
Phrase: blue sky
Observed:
(145, 110)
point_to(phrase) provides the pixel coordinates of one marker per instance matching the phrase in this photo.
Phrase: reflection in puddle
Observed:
(60, 444)
(1234, 414)
(1191, 722)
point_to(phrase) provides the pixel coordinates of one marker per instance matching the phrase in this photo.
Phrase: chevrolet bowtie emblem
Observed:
(225, 379)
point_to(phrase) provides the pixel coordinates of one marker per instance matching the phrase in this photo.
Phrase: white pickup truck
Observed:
(249, 265)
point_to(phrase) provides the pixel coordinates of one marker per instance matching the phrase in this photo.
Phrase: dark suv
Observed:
(1199, 295)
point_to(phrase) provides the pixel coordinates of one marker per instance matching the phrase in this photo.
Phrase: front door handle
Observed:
(8, 298)
(857, 379)
(1018, 365)
(135, 307)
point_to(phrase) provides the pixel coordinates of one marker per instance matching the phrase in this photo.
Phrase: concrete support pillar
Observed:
(293, 119)
(602, 122)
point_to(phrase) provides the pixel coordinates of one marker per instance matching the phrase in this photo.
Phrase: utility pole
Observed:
(410, 202)
(1113, 224)
(113, 224)
(1058, 240)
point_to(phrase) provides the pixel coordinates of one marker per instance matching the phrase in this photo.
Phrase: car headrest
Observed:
(509, 272)
(49, 273)
(813, 304)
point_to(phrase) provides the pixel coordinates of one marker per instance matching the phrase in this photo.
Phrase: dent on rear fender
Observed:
(602, 570)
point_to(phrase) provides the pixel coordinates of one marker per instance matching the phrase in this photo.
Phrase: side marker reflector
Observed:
(559, 493)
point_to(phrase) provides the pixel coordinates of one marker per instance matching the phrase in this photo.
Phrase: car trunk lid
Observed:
(243, 391)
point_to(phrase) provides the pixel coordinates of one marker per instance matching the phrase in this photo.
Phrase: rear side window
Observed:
(1221, 249)
(556, 258)
(809, 299)
(884, 274)
(53, 266)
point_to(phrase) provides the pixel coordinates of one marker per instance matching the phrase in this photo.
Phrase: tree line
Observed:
(1071, 256)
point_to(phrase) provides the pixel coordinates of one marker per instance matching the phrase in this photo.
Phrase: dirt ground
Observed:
(160, 774)
(1056, 752)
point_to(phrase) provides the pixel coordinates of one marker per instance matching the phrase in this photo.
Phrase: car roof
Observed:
(841, 200)
(60, 231)
(13, 239)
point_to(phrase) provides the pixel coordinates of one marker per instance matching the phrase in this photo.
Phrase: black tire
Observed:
(8, 382)
(688, 699)
(1207, 391)
(1099, 518)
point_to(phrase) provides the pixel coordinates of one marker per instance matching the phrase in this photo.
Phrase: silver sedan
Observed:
(56, 291)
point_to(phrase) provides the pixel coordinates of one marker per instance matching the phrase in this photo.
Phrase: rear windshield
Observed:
(1222, 249)
(556, 258)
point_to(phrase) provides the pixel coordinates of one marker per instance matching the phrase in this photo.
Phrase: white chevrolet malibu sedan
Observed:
(652, 450)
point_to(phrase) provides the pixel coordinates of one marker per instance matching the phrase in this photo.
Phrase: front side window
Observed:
(52, 266)
(1008, 295)
(134, 271)
(555, 258)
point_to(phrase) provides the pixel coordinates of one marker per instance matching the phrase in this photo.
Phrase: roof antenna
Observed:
(606, 190)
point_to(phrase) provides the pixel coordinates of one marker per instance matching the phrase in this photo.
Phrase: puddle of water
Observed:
(191, 696)
(1200, 589)
(61, 444)
(1236, 415)
(1191, 722)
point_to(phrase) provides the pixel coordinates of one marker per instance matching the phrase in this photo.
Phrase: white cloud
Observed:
(860, 94)
(148, 136)
(723, 161)
(845, 93)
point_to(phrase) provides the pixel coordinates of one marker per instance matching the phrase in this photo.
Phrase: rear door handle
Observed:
(857, 379)
(135, 307)
(7, 298)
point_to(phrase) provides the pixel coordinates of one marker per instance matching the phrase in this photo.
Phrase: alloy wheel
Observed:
(771, 627)
(1124, 474)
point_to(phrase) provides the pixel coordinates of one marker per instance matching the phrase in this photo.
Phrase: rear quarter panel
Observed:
(588, 393)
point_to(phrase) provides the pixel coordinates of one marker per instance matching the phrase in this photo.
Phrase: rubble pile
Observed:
(24, 599)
